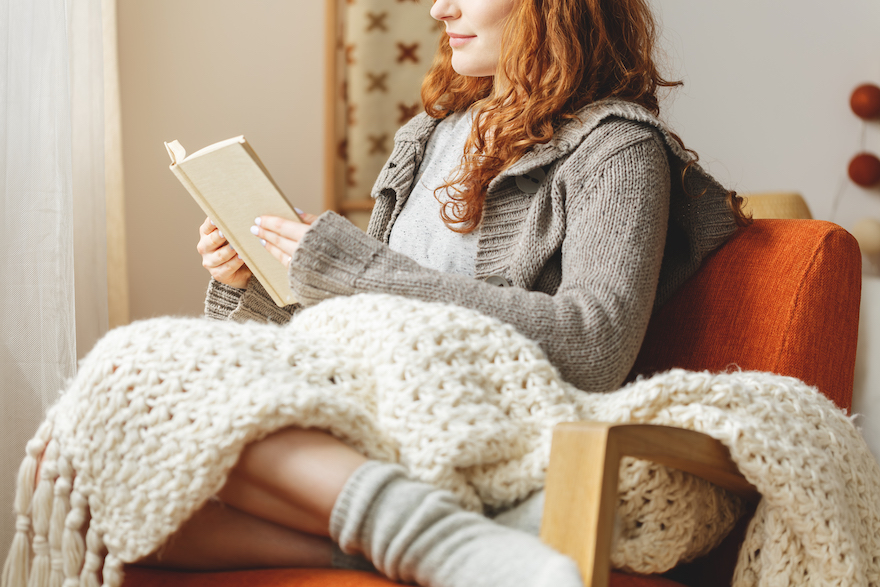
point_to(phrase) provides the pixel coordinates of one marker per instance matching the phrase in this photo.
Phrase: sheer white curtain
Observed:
(51, 188)
(85, 42)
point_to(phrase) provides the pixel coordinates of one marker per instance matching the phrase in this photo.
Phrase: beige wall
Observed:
(201, 71)
(766, 94)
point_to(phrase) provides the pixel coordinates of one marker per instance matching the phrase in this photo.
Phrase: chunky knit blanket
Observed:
(160, 410)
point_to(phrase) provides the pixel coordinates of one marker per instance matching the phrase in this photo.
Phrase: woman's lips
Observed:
(459, 40)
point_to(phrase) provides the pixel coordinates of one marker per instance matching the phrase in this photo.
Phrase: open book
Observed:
(232, 186)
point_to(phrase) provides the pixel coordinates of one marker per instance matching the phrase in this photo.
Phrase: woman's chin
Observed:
(469, 69)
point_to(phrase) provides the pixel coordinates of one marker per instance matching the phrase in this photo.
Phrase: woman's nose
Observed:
(445, 10)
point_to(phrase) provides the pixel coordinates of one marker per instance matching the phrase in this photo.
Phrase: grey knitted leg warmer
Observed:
(349, 562)
(414, 532)
(526, 516)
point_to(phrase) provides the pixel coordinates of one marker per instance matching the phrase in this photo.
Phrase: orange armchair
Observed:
(781, 296)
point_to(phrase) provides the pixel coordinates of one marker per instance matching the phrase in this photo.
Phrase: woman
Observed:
(539, 166)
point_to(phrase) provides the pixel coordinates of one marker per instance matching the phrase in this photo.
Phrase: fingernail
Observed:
(221, 234)
(231, 247)
(255, 230)
(212, 223)
(239, 256)
(263, 242)
(257, 221)
(298, 211)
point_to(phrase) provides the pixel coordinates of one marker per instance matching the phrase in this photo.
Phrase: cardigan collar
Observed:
(413, 136)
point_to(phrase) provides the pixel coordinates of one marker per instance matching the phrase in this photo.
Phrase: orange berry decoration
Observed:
(865, 101)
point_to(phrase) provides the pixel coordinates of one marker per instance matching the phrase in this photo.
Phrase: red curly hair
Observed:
(557, 56)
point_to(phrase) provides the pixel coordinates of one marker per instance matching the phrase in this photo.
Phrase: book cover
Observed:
(233, 187)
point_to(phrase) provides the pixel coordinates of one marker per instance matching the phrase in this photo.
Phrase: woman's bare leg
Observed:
(270, 507)
(305, 469)
(280, 496)
(219, 537)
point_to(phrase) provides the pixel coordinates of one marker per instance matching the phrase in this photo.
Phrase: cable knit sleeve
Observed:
(616, 213)
(224, 302)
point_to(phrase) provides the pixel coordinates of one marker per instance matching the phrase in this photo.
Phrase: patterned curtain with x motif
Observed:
(384, 50)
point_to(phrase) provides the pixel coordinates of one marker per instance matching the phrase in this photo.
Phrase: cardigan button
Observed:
(497, 280)
(531, 181)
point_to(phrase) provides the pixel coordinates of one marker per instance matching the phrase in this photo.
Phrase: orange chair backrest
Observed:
(781, 296)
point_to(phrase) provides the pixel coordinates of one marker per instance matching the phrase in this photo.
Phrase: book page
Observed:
(216, 147)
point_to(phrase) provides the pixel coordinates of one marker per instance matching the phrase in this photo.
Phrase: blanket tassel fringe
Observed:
(51, 518)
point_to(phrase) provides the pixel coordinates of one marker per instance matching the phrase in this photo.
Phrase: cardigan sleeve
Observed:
(224, 302)
(592, 327)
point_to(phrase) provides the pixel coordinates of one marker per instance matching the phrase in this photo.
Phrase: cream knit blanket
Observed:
(160, 410)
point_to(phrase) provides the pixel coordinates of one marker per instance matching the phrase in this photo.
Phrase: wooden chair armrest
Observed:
(581, 487)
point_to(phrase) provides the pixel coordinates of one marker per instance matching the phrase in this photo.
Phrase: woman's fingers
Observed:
(218, 257)
(267, 237)
(280, 254)
(280, 237)
(233, 272)
(206, 227)
(210, 238)
(307, 218)
(222, 263)
(226, 270)
(285, 228)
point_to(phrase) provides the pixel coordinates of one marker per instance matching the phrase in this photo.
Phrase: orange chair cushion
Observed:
(143, 577)
(781, 296)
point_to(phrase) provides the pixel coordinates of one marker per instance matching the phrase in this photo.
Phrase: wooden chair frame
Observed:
(581, 488)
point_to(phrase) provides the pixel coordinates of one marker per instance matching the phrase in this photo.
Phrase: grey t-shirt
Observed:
(419, 232)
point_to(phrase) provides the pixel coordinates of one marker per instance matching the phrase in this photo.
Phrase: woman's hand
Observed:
(281, 237)
(220, 259)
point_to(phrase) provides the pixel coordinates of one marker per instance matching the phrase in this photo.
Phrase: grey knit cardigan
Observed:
(610, 234)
